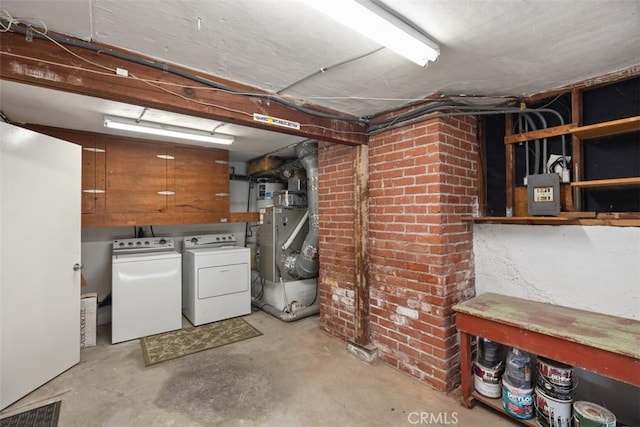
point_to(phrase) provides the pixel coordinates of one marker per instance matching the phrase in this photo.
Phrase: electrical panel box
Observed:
(543, 194)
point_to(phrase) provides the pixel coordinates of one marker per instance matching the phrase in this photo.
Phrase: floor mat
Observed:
(44, 416)
(171, 345)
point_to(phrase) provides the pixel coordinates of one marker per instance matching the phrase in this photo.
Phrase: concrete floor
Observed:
(293, 375)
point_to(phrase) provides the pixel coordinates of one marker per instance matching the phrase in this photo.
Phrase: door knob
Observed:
(77, 267)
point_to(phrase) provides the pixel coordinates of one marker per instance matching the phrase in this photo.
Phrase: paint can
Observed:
(489, 353)
(518, 368)
(488, 381)
(552, 412)
(517, 402)
(553, 390)
(587, 414)
(555, 372)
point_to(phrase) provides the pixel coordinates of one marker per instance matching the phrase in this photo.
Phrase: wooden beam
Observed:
(615, 182)
(539, 134)
(614, 127)
(616, 76)
(42, 63)
(361, 226)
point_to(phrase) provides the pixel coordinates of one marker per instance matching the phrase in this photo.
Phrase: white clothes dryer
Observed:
(216, 278)
(146, 285)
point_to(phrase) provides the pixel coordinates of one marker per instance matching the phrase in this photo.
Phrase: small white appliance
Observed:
(216, 278)
(146, 288)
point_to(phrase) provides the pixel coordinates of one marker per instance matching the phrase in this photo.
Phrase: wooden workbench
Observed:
(606, 345)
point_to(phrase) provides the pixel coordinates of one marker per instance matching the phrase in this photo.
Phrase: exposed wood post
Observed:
(509, 169)
(361, 225)
(576, 147)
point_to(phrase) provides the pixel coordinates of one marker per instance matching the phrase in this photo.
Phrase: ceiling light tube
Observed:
(374, 22)
(160, 129)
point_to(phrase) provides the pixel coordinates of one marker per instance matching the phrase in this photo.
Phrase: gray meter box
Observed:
(543, 194)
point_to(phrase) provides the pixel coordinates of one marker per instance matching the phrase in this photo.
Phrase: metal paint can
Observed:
(553, 390)
(487, 381)
(555, 372)
(517, 402)
(587, 414)
(552, 412)
(489, 353)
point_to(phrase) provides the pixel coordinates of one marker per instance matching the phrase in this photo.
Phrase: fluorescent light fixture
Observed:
(376, 23)
(160, 129)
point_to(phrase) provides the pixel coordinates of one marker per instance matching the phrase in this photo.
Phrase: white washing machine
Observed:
(146, 288)
(216, 278)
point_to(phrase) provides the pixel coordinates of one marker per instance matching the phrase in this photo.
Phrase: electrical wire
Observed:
(12, 26)
(9, 23)
(329, 68)
(4, 118)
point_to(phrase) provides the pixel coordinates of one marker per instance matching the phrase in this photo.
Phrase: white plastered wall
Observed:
(590, 268)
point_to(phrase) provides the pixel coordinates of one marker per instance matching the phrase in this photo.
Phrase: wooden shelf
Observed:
(497, 405)
(601, 219)
(540, 134)
(607, 182)
(614, 127)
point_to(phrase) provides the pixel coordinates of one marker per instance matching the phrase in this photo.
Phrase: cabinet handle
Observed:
(93, 150)
(93, 191)
(221, 194)
(166, 193)
(165, 156)
(225, 271)
(222, 162)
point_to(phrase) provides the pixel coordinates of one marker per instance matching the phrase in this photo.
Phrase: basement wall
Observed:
(423, 179)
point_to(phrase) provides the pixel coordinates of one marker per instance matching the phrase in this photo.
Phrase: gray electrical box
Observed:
(543, 194)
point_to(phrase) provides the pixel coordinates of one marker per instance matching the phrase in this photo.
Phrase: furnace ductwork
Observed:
(305, 264)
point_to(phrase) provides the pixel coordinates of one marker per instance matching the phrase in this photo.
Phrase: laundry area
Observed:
(267, 213)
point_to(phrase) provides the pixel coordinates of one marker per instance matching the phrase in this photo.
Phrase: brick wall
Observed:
(422, 179)
(336, 244)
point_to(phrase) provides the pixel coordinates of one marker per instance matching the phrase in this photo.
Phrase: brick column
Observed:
(337, 245)
(422, 180)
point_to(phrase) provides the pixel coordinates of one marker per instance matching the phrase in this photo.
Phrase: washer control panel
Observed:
(144, 244)
(209, 240)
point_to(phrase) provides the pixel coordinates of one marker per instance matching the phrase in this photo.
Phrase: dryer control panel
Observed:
(210, 240)
(144, 244)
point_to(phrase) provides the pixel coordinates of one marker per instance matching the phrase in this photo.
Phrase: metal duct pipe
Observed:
(306, 264)
(284, 316)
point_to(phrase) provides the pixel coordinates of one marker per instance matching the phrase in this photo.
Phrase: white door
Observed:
(40, 180)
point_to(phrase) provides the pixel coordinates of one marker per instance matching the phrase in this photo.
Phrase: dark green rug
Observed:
(174, 344)
(44, 416)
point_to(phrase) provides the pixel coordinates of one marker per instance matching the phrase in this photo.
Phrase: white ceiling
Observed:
(488, 47)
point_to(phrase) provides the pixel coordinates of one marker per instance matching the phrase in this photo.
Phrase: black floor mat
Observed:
(44, 416)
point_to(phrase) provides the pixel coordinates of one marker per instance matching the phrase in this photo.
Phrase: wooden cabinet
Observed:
(128, 181)
(137, 176)
(201, 180)
(93, 176)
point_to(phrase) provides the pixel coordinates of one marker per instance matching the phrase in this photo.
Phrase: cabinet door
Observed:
(93, 175)
(201, 180)
(137, 176)
(93, 165)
